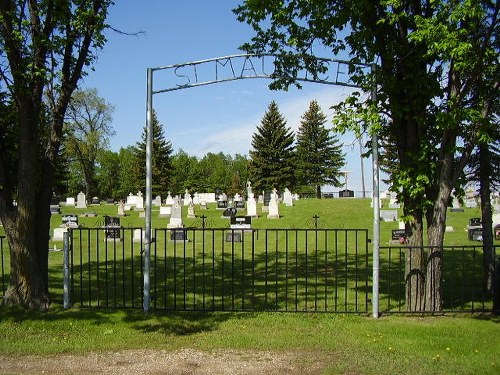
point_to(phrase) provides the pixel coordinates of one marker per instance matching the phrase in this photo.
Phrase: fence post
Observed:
(66, 299)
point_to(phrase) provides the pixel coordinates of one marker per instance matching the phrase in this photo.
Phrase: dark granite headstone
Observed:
(112, 225)
(229, 212)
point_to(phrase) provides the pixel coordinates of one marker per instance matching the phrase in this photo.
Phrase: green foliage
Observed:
(161, 167)
(127, 176)
(318, 153)
(271, 158)
(88, 128)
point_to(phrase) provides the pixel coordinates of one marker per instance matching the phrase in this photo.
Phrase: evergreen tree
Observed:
(271, 158)
(318, 153)
(161, 167)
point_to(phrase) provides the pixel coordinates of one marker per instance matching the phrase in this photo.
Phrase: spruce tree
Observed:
(161, 167)
(319, 157)
(272, 155)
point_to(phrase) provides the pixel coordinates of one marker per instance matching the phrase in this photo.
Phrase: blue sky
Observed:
(211, 118)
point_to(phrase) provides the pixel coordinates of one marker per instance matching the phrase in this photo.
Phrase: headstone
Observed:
(241, 222)
(456, 207)
(237, 198)
(471, 203)
(112, 227)
(233, 236)
(229, 212)
(178, 234)
(139, 202)
(203, 204)
(121, 209)
(69, 221)
(287, 198)
(81, 200)
(191, 214)
(55, 209)
(273, 207)
(169, 201)
(388, 215)
(59, 233)
(110, 201)
(89, 214)
(221, 204)
(176, 215)
(346, 193)
(187, 198)
(95, 200)
(398, 234)
(251, 204)
(165, 211)
(157, 201)
(70, 201)
(265, 202)
(239, 204)
(196, 198)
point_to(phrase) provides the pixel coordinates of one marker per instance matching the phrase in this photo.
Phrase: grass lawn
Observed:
(354, 344)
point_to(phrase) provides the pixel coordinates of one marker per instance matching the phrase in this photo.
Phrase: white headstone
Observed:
(273, 212)
(251, 205)
(121, 209)
(157, 201)
(388, 215)
(70, 201)
(59, 233)
(165, 211)
(169, 201)
(176, 215)
(191, 214)
(81, 201)
(287, 198)
(187, 198)
(139, 202)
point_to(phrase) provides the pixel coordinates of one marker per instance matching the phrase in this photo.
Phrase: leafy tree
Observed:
(161, 159)
(318, 156)
(127, 178)
(107, 174)
(433, 57)
(272, 155)
(88, 127)
(45, 47)
(184, 165)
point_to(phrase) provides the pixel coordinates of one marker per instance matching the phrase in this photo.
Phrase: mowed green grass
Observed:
(351, 344)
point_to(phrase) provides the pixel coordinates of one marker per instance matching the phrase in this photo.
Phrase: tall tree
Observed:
(128, 181)
(107, 174)
(432, 56)
(161, 166)
(318, 156)
(45, 47)
(185, 166)
(271, 157)
(88, 127)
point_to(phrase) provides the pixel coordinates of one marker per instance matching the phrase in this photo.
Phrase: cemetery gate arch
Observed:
(237, 67)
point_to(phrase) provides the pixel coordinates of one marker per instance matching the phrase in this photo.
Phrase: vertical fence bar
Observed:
(66, 280)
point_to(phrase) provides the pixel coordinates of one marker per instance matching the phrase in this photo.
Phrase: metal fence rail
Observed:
(462, 284)
(273, 269)
(219, 269)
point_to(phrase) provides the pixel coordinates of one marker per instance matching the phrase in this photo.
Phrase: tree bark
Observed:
(486, 219)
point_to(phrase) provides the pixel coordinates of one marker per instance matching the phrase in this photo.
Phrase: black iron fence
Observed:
(220, 269)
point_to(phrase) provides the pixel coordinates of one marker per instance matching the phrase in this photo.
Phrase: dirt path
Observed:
(185, 361)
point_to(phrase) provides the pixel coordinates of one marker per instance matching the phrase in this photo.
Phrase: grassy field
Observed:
(353, 344)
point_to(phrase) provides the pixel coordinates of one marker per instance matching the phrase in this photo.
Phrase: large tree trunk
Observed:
(414, 266)
(27, 225)
(486, 218)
